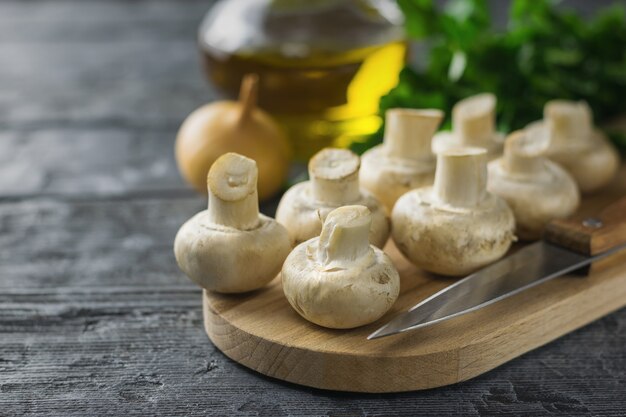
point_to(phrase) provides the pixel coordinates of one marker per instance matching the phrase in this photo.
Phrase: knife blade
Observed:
(570, 245)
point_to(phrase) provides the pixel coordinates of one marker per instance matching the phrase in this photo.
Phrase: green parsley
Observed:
(545, 53)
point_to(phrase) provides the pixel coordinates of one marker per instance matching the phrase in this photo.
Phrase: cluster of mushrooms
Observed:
(452, 202)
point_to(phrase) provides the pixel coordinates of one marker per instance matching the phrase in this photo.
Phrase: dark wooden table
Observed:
(95, 318)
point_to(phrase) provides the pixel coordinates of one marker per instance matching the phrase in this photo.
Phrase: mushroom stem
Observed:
(474, 119)
(516, 163)
(248, 95)
(568, 122)
(334, 176)
(344, 237)
(517, 160)
(461, 177)
(241, 215)
(335, 191)
(233, 199)
(408, 133)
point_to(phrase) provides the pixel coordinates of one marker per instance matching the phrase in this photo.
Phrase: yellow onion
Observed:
(234, 126)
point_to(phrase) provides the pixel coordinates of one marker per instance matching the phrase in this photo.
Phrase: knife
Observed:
(567, 245)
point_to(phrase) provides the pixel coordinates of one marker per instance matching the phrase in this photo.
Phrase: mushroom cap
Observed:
(302, 215)
(448, 240)
(535, 199)
(593, 161)
(228, 260)
(387, 178)
(339, 298)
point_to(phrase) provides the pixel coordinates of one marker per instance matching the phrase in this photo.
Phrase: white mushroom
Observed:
(537, 189)
(338, 279)
(404, 160)
(473, 125)
(231, 247)
(334, 183)
(455, 226)
(582, 150)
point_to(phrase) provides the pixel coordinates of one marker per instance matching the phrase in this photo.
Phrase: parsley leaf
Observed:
(545, 53)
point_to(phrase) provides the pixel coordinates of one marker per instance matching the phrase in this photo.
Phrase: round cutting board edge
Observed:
(305, 362)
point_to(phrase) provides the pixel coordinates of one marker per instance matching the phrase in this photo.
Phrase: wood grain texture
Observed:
(262, 331)
(591, 234)
(92, 94)
(95, 318)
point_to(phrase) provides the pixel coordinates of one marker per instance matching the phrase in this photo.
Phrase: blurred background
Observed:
(95, 316)
(92, 94)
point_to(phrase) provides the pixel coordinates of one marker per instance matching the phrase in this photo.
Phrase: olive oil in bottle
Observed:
(323, 64)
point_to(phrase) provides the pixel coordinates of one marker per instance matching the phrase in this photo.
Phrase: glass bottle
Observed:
(323, 64)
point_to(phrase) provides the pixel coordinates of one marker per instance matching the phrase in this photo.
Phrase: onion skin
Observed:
(233, 126)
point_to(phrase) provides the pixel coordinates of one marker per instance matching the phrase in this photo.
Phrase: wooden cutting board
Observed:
(261, 331)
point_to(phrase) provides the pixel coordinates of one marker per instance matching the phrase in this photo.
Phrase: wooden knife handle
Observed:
(591, 235)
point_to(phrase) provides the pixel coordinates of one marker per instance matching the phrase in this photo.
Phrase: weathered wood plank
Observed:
(79, 161)
(92, 94)
(47, 244)
(93, 356)
(45, 21)
(134, 82)
(95, 316)
(88, 162)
